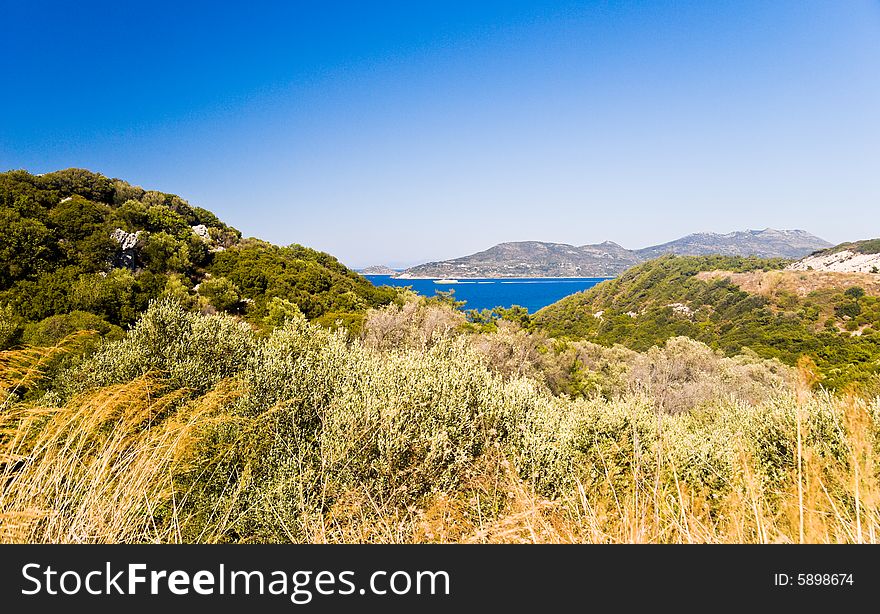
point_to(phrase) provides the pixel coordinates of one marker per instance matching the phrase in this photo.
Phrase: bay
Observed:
(533, 293)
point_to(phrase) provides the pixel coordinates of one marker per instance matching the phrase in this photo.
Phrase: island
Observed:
(379, 269)
(609, 259)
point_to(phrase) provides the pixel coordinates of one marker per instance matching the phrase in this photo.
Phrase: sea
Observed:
(532, 293)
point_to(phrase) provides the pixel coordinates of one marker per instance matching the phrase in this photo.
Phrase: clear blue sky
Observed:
(405, 132)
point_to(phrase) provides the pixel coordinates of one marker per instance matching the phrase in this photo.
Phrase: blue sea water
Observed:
(531, 293)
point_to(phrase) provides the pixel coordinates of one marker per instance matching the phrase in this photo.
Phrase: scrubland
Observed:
(202, 428)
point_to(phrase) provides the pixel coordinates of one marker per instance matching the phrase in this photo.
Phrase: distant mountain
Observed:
(855, 257)
(379, 269)
(608, 259)
(533, 259)
(767, 243)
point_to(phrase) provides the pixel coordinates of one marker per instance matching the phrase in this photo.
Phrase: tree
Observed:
(116, 296)
(87, 184)
(855, 292)
(10, 327)
(163, 252)
(221, 293)
(279, 311)
(24, 247)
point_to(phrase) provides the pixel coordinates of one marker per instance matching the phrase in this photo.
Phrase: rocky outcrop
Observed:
(844, 261)
(126, 256)
(201, 231)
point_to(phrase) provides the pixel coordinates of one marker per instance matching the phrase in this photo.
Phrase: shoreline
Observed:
(421, 277)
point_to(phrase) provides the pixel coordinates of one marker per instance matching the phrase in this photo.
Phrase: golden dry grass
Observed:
(106, 467)
(799, 283)
(826, 502)
(96, 469)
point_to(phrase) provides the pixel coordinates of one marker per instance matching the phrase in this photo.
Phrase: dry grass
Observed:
(831, 502)
(799, 283)
(824, 501)
(98, 468)
(20, 369)
(130, 462)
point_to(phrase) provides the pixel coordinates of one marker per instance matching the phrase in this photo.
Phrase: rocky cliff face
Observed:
(608, 259)
(857, 257)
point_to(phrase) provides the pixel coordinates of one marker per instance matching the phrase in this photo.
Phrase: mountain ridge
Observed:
(377, 269)
(609, 259)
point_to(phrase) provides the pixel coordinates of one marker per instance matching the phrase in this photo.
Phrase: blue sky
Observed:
(405, 132)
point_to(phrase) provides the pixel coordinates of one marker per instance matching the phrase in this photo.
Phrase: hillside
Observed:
(767, 243)
(78, 249)
(538, 259)
(532, 259)
(856, 257)
(731, 303)
(197, 428)
(380, 269)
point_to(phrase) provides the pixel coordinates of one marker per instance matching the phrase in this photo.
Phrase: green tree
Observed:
(24, 247)
(116, 296)
(10, 327)
(279, 311)
(855, 292)
(221, 293)
(163, 252)
(87, 184)
(55, 328)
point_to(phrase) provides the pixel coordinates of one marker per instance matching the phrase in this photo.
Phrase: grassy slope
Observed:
(669, 297)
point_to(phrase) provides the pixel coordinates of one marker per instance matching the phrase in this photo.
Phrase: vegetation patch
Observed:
(731, 304)
(77, 243)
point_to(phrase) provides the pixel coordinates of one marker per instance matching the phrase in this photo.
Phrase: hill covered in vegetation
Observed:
(767, 243)
(731, 303)
(81, 250)
(532, 259)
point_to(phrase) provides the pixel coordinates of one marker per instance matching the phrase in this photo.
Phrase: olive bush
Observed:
(315, 436)
(192, 351)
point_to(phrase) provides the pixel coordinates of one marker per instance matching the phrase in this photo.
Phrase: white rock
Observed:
(844, 261)
(681, 309)
(201, 231)
(126, 240)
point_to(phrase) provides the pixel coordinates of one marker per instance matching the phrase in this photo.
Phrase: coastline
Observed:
(429, 277)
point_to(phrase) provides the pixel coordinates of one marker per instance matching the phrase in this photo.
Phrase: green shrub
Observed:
(10, 328)
(305, 434)
(55, 328)
(192, 351)
(221, 293)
